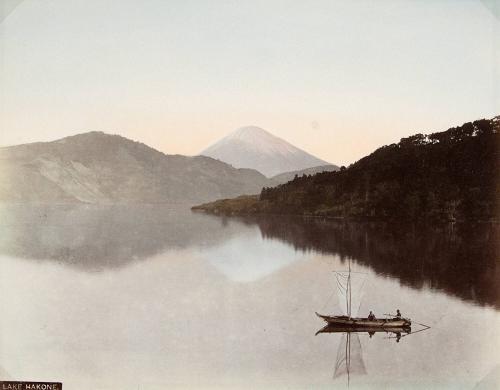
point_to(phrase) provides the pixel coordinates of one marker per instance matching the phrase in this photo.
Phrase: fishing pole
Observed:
(426, 326)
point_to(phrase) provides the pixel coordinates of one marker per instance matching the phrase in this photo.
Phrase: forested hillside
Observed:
(450, 175)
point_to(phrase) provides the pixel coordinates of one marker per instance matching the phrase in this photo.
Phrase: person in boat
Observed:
(371, 316)
(398, 314)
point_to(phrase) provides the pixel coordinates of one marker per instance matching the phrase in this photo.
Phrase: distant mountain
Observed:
(287, 176)
(253, 147)
(451, 175)
(99, 168)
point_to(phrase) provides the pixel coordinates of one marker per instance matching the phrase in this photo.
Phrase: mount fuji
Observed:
(256, 148)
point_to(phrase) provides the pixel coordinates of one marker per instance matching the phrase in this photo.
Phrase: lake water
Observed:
(150, 297)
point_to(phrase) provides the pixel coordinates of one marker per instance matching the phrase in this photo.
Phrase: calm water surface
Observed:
(154, 296)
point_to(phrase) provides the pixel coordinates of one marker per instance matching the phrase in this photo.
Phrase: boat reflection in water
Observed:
(349, 356)
(365, 329)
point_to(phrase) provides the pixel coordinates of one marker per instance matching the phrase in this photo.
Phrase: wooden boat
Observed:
(356, 322)
(348, 321)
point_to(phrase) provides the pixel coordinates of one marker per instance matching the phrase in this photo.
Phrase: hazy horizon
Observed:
(337, 80)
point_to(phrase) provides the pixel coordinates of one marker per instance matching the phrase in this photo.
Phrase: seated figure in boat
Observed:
(371, 316)
(398, 314)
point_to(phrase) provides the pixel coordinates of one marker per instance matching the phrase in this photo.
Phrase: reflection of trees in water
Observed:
(459, 259)
(98, 237)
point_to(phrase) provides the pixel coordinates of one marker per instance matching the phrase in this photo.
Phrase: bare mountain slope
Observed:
(99, 168)
(253, 147)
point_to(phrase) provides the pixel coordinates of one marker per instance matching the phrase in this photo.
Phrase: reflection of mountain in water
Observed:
(97, 237)
(459, 259)
(240, 263)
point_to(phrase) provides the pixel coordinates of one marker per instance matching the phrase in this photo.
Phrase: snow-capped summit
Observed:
(253, 147)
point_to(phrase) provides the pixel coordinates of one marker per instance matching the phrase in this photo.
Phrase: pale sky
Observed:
(336, 78)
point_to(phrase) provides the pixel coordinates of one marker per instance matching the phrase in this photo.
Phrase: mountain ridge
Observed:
(256, 148)
(285, 177)
(96, 167)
